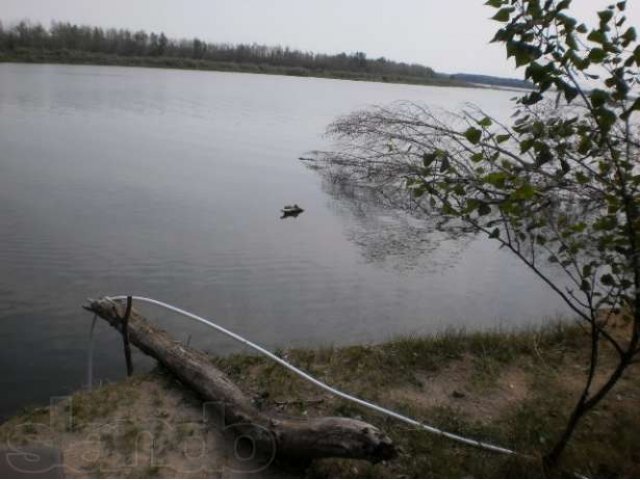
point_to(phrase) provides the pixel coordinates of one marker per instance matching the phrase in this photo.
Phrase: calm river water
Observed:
(169, 183)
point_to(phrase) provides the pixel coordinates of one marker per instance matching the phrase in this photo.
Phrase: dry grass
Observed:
(513, 389)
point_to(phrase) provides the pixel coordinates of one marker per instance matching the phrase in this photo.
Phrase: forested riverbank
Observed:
(78, 57)
(68, 43)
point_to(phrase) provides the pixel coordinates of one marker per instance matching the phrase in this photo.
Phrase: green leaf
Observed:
(472, 204)
(523, 52)
(502, 138)
(634, 108)
(572, 43)
(532, 98)
(597, 36)
(495, 233)
(417, 190)
(447, 209)
(503, 15)
(581, 178)
(605, 224)
(629, 36)
(597, 55)
(501, 35)
(444, 164)
(525, 192)
(484, 209)
(599, 97)
(579, 227)
(496, 179)
(428, 158)
(636, 55)
(536, 72)
(485, 122)
(570, 93)
(585, 145)
(526, 145)
(607, 279)
(494, 3)
(607, 118)
(477, 157)
(473, 135)
(605, 16)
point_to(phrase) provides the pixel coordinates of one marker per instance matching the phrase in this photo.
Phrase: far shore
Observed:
(511, 389)
(71, 57)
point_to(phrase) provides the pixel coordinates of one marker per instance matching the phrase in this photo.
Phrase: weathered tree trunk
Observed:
(299, 439)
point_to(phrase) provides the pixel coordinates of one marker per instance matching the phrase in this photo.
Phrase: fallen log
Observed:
(290, 438)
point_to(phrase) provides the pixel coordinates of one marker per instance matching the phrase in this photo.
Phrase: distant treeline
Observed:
(489, 80)
(70, 43)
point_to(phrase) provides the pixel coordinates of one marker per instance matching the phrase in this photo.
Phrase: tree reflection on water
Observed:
(393, 232)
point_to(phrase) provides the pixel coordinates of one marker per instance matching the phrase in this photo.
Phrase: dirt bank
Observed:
(513, 389)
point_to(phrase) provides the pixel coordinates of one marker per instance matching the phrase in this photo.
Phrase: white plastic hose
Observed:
(309, 378)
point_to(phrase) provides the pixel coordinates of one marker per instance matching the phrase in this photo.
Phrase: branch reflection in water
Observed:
(389, 228)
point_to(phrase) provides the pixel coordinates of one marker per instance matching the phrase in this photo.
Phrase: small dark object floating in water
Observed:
(291, 211)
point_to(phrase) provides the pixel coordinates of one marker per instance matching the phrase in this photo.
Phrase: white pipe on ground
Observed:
(306, 376)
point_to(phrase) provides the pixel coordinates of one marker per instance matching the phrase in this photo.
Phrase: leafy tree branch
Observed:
(558, 187)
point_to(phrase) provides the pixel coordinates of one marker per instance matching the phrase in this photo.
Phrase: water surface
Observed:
(169, 183)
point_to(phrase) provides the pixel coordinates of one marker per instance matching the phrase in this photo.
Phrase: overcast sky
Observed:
(448, 35)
